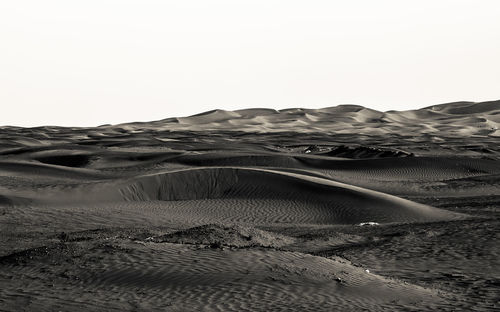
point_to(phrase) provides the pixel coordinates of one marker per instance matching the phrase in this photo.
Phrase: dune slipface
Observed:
(342, 208)
(321, 201)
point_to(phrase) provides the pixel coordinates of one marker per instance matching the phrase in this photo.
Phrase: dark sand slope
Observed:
(395, 175)
(255, 210)
(176, 277)
(320, 200)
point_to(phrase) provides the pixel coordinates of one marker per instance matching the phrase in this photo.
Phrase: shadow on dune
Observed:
(334, 202)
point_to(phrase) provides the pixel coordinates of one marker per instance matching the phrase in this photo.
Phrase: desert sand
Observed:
(335, 209)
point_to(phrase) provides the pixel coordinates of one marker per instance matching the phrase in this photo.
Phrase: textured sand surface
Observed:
(335, 209)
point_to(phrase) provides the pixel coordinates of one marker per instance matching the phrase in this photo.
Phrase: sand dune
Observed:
(179, 278)
(447, 119)
(337, 202)
(464, 108)
(341, 208)
(397, 176)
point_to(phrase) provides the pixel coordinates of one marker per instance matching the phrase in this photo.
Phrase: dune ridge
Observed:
(444, 119)
(347, 203)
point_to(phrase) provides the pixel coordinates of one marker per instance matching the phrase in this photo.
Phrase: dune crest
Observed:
(445, 119)
(328, 201)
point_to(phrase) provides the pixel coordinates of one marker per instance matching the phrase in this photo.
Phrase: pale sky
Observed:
(86, 63)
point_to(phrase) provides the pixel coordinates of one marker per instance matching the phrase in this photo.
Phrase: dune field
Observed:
(335, 209)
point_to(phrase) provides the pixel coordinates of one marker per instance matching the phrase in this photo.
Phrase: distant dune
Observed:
(461, 118)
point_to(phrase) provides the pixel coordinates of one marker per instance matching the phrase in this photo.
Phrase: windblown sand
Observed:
(335, 209)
